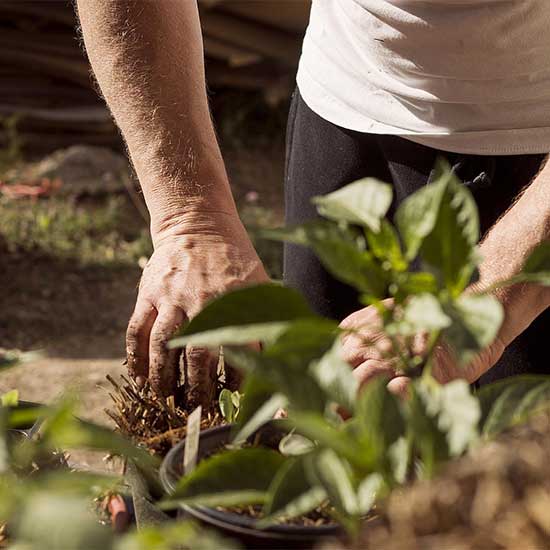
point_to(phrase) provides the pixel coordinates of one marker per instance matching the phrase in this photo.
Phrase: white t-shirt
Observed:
(469, 76)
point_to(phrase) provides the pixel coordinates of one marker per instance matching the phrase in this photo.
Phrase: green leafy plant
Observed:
(386, 441)
(46, 505)
(230, 404)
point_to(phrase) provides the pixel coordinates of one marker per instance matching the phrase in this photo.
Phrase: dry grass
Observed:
(156, 422)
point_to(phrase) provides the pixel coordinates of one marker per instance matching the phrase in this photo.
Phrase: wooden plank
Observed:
(57, 12)
(63, 69)
(275, 85)
(63, 45)
(289, 15)
(274, 44)
(234, 55)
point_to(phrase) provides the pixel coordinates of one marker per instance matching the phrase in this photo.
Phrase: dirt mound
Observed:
(498, 497)
(81, 170)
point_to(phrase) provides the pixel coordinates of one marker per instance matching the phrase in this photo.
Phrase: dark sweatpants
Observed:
(322, 157)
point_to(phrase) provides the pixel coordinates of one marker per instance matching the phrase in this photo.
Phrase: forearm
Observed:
(505, 249)
(148, 59)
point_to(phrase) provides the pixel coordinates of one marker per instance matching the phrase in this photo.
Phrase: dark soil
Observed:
(317, 518)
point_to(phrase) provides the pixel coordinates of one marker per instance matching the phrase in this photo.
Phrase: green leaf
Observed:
(10, 399)
(227, 408)
(303, 341)
(243, 314)
(364, 202)
(263, 415)
(368, 492)
(231, 335)
(228, 476)
(379, 420)
(291, 494)
(340, 251)
(422, 313)
(220, 498)
(451, 247)
(476, 320)
(335, 477)
(314, 427)
(302, 391)
(455, 409)
(512, 401)
(441, 222)
(294, 444)
(385, 245)
(407, 284)
(426, 436)
(172, 535)
(256, 392)
(335, 376)
(459, 414)
(400, 456)
(417, 215)
(60, 521)
(236, 397)
(61, 429)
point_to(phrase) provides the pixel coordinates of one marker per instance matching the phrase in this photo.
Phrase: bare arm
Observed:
(505, 249)
(148, 59)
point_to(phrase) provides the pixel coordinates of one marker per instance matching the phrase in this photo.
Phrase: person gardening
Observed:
(384, 88)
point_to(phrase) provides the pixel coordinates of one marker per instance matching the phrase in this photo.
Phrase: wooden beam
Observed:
(274, 44)
(234, 55)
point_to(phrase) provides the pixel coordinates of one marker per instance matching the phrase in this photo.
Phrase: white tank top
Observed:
(459, 75)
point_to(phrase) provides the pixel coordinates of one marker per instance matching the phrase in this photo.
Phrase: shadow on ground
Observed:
(63, 308)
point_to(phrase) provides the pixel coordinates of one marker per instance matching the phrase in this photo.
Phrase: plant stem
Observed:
(432, 343)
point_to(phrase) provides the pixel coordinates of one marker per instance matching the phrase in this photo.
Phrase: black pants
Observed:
(322, 157)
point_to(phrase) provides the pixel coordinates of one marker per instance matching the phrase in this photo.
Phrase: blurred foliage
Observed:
(46, 506)
(104, 232)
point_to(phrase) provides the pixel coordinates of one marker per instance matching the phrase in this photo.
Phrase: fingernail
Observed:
(140, 381)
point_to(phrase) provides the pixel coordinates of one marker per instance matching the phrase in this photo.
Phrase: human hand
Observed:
(371, 353)
(194, 260)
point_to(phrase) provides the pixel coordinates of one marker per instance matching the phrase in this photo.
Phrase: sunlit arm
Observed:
(505, 249)
(147, 57)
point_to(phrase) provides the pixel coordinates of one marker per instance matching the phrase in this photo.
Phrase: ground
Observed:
(70, 269)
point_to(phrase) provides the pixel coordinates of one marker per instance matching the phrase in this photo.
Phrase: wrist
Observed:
(204, 223)
(522, 304)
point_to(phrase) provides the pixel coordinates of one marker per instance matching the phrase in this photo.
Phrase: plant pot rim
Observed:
(30, 429)
(230, 520)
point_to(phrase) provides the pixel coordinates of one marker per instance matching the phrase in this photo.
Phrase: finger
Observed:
(371, 369)
(400, 386)
(358, 347)
(137, 340)
(355, 352)
(202, 371)
(163, 362)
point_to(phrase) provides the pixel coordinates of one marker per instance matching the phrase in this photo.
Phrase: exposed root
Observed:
(153, 421)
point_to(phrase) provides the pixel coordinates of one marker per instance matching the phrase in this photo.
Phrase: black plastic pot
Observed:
(234, 525)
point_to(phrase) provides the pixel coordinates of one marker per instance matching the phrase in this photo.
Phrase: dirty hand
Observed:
(194, 260)
(368, 350)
